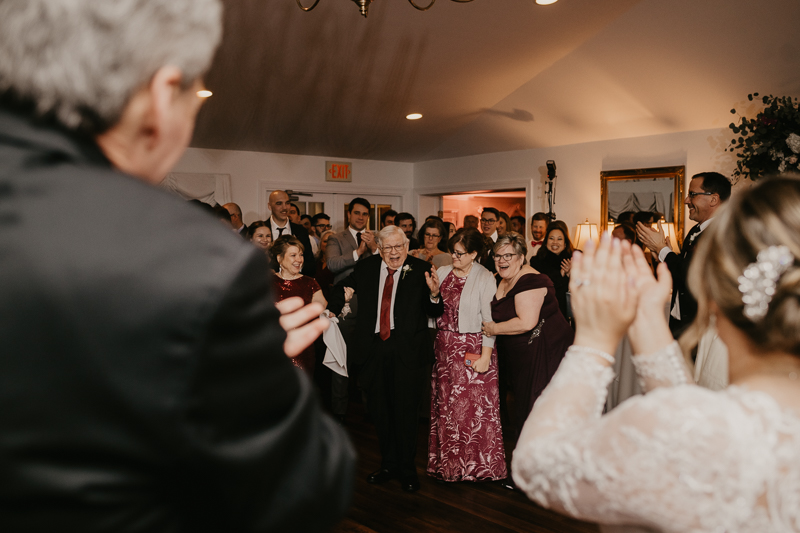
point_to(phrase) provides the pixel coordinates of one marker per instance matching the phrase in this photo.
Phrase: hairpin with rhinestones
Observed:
(757, 282)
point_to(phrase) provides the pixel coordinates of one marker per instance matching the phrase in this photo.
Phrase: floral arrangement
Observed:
(769, 143)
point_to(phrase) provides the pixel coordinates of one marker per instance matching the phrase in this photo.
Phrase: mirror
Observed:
(645, 189)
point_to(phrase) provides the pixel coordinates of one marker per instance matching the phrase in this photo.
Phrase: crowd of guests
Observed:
(501, 325)
(159, 395)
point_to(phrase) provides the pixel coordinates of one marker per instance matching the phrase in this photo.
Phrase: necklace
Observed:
(463, 273)
(282, 276)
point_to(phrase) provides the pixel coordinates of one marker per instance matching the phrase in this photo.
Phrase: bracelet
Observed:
(594, 351)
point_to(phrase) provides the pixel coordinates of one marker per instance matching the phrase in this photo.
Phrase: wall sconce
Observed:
(585, 233)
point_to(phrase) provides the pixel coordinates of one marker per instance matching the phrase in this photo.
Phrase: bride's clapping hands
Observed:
(649, 331)
(602, 300)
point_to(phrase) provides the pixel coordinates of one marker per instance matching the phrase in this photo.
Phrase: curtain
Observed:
(619, 202)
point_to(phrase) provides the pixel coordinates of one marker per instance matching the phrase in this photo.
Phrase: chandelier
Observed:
(363, 5)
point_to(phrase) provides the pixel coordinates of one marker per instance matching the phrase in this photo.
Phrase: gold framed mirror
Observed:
(658, 190)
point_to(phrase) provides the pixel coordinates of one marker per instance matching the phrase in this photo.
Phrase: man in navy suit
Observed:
(281, 225)
(391, 343)
(707, 192)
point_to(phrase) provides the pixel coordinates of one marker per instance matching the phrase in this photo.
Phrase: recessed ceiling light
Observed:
(414, 116)
(546, 2)
(205, 93)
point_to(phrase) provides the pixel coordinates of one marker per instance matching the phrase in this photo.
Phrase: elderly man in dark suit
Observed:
(281, 225)
(396, 294)
(707, 192)
(143, 380)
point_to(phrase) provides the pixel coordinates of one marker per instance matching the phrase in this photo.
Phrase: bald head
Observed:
(279, 206)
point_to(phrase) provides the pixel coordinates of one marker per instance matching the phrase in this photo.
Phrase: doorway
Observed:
(456, 206)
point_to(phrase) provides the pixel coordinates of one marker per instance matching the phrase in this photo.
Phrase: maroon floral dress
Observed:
(304, 287)
(466, 440)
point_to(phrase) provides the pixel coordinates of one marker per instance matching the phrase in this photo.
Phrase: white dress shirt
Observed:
(384, 275)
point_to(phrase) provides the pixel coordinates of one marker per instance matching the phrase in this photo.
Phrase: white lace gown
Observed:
(681, 458)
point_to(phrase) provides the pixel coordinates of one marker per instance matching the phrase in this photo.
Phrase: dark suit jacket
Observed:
(411, 310)
(143, 384)
(679, 269)
(309, 262)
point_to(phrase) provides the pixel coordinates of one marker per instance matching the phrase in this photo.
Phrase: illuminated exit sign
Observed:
(338, 171)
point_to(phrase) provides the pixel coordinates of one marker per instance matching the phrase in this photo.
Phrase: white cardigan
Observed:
(475, 306)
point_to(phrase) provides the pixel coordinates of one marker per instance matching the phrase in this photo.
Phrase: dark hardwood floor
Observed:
(437, 507)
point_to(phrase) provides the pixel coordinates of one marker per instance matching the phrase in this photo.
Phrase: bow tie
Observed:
(537, 243)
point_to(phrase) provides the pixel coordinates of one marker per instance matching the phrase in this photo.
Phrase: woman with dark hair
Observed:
(466, 441)
(451, 229)
(554, 258)
(681, 457)
(503, 224)
(287, 252)
(260, 234)
(431, 234)
(532, 333)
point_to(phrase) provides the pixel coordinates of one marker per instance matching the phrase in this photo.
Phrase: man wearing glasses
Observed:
(707, 192)
(391, 343)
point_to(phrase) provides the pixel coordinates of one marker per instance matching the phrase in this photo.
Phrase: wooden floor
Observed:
(437, 507)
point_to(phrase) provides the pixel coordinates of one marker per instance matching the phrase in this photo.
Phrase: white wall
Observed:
(578, 169)
(252, 171)
(577, 185)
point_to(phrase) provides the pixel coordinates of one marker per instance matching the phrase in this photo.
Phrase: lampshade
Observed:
(585, 233)
(669, 233)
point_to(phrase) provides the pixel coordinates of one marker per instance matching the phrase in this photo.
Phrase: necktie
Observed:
(386, 305)
(280, 231)
(358, 238)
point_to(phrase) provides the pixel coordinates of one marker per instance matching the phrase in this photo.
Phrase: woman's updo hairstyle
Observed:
(766, 215)
(281, 244)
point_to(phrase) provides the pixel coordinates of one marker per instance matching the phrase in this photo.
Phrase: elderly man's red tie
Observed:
(386, 305)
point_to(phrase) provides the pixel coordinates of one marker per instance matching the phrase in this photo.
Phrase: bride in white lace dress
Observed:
(681, 458)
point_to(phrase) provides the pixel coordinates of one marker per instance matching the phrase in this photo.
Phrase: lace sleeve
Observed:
(664, 368)
(657, 460)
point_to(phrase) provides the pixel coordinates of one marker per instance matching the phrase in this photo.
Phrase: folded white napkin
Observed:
(336, 353)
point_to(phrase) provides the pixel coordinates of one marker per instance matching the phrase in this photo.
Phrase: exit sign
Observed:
(338, 171)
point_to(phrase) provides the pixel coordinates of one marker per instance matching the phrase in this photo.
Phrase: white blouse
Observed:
(681, 458)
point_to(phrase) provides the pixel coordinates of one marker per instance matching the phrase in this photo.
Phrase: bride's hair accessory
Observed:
(757, 282)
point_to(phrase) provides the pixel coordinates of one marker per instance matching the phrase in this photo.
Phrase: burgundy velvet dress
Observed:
(304, 287)
(530, 359)
(466, 440)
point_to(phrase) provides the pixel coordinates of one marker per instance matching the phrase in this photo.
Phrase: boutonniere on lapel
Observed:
(405, 270)
(694, 236)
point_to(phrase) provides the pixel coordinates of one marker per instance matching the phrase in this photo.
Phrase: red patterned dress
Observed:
(304, 287)
(466, 440)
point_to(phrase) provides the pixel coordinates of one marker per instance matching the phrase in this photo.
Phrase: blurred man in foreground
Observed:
(143, 383)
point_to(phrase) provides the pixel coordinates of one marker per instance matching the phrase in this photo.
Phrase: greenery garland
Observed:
(769, 143)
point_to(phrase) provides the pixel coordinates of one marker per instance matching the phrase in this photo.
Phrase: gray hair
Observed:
(82, 60)
(515, 240)
(387, 232)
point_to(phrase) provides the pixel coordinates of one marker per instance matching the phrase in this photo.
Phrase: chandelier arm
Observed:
(423, 8)
(315, 5)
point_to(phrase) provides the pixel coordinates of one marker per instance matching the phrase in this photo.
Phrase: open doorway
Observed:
(456, 206)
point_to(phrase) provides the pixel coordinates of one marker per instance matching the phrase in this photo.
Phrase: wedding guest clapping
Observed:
(554, 258)
(431, 234)
(466, 440)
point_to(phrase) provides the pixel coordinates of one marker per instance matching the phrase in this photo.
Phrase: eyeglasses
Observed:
(505, 257)
(323, 226)
(488, 220)
(431, 236)
(693, 195)
(459, 255)
(398, 248)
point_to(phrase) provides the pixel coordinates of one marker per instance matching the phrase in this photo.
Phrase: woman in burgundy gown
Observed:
(466, 440)
(532, 333)
(288, 282)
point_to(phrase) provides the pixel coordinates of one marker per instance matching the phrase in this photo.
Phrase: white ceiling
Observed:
(490, 75)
